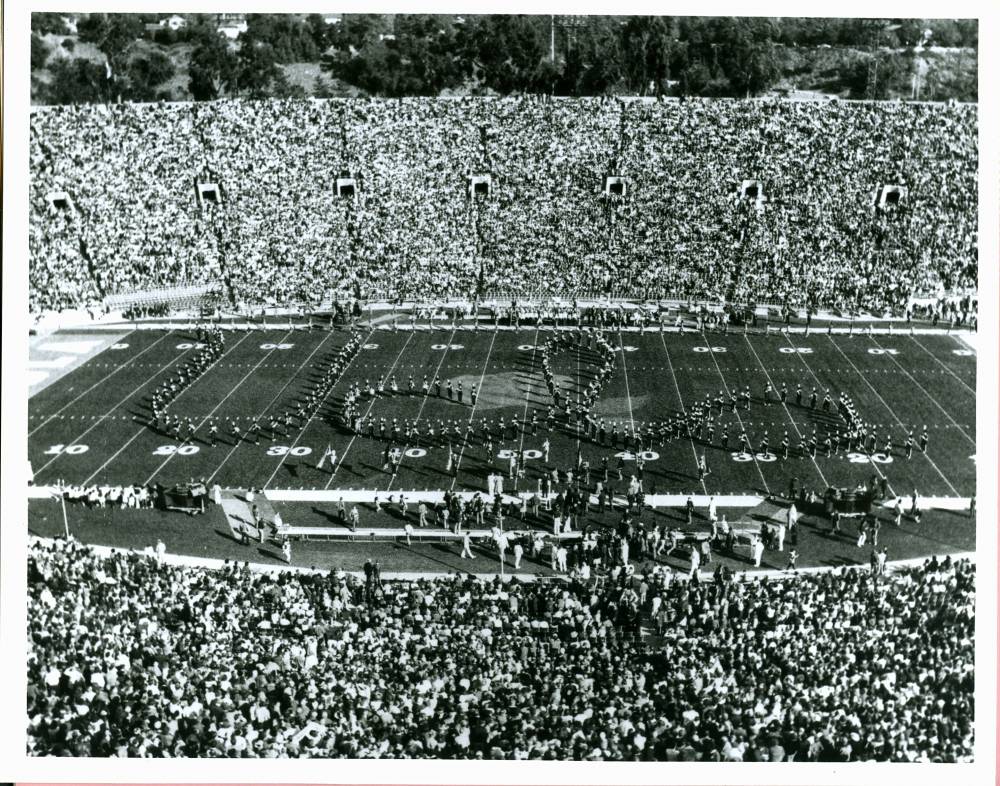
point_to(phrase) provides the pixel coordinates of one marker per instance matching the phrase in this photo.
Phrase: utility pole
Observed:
(552, 38)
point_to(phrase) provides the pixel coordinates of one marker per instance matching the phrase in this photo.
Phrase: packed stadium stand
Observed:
(132, 657)
(835, 204)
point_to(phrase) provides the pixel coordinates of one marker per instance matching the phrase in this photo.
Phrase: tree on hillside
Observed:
(213, 69)
(77, 81)
(146, 73)
(47, 23)
(113, 34)
(39, 52)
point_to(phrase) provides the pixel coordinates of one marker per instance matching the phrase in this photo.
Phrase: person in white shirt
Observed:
(467, 547)
(758, 551)
(518, 553)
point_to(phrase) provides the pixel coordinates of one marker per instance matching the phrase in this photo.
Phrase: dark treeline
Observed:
(418, 54)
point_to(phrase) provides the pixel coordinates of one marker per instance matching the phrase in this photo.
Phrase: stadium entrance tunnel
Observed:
(480, 185)
(208, 192)
(347, 187)
(891, 195)
(615, 185)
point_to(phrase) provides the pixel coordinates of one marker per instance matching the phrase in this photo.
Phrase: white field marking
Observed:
(819, 382)
(75, 347)
(653, 500)
(628, 395)
(527, 394)
(34, 377)
(680, 400)
(893, 413)
(99, 382)
(970, 339)
(225, 398)
(371, 406)
(725, 387)
(423, 403)
(60, 362)
(784, 406)
(423, 495)
(143, 429)
(312, 417)
(934, 401)
(944, 365)
(472, 414)
(98, 421)
(267, 406)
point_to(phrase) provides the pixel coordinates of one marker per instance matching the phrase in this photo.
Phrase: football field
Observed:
(90, 426)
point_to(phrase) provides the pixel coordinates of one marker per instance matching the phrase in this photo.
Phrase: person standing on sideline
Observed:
(467, 546)
(545, 450)
(793, 555)
(518, 553)
(758, 551)
(355, 518)
(286, 551)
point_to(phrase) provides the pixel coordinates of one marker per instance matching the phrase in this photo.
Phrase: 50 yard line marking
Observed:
(680, 400)
(143, 430)
(472, 414)
(785, 406)
(267, 406)
(225, 398)
(371, 406)
(893, 413)
(423, 403)
(103, 379)
(738, 418)
(302, 431)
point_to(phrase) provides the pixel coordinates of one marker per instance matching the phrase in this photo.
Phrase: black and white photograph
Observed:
(509, 387)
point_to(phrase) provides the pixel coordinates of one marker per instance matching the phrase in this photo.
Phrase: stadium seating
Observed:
(812, 228)
(836, 667)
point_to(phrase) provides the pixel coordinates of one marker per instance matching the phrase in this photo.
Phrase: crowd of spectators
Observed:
(275, 231)
(133, 657)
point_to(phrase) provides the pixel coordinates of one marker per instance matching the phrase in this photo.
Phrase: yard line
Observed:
(961, 429)
(101, 381)
(225, 398)
(472, 414)
(680, 400)
(267, 406)
(799, 355)
(785, 406)
(943, 365)
(628, 395)
(893, 413)
(143, 430)
(738, 418)
(527, 393)
(423, 403)
(309, 420)
(128, 396)
(371, 406)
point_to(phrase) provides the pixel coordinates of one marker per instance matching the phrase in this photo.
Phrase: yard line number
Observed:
(69, 450)
(180, 450)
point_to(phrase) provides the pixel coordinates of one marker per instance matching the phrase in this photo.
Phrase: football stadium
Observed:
(513, 427)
